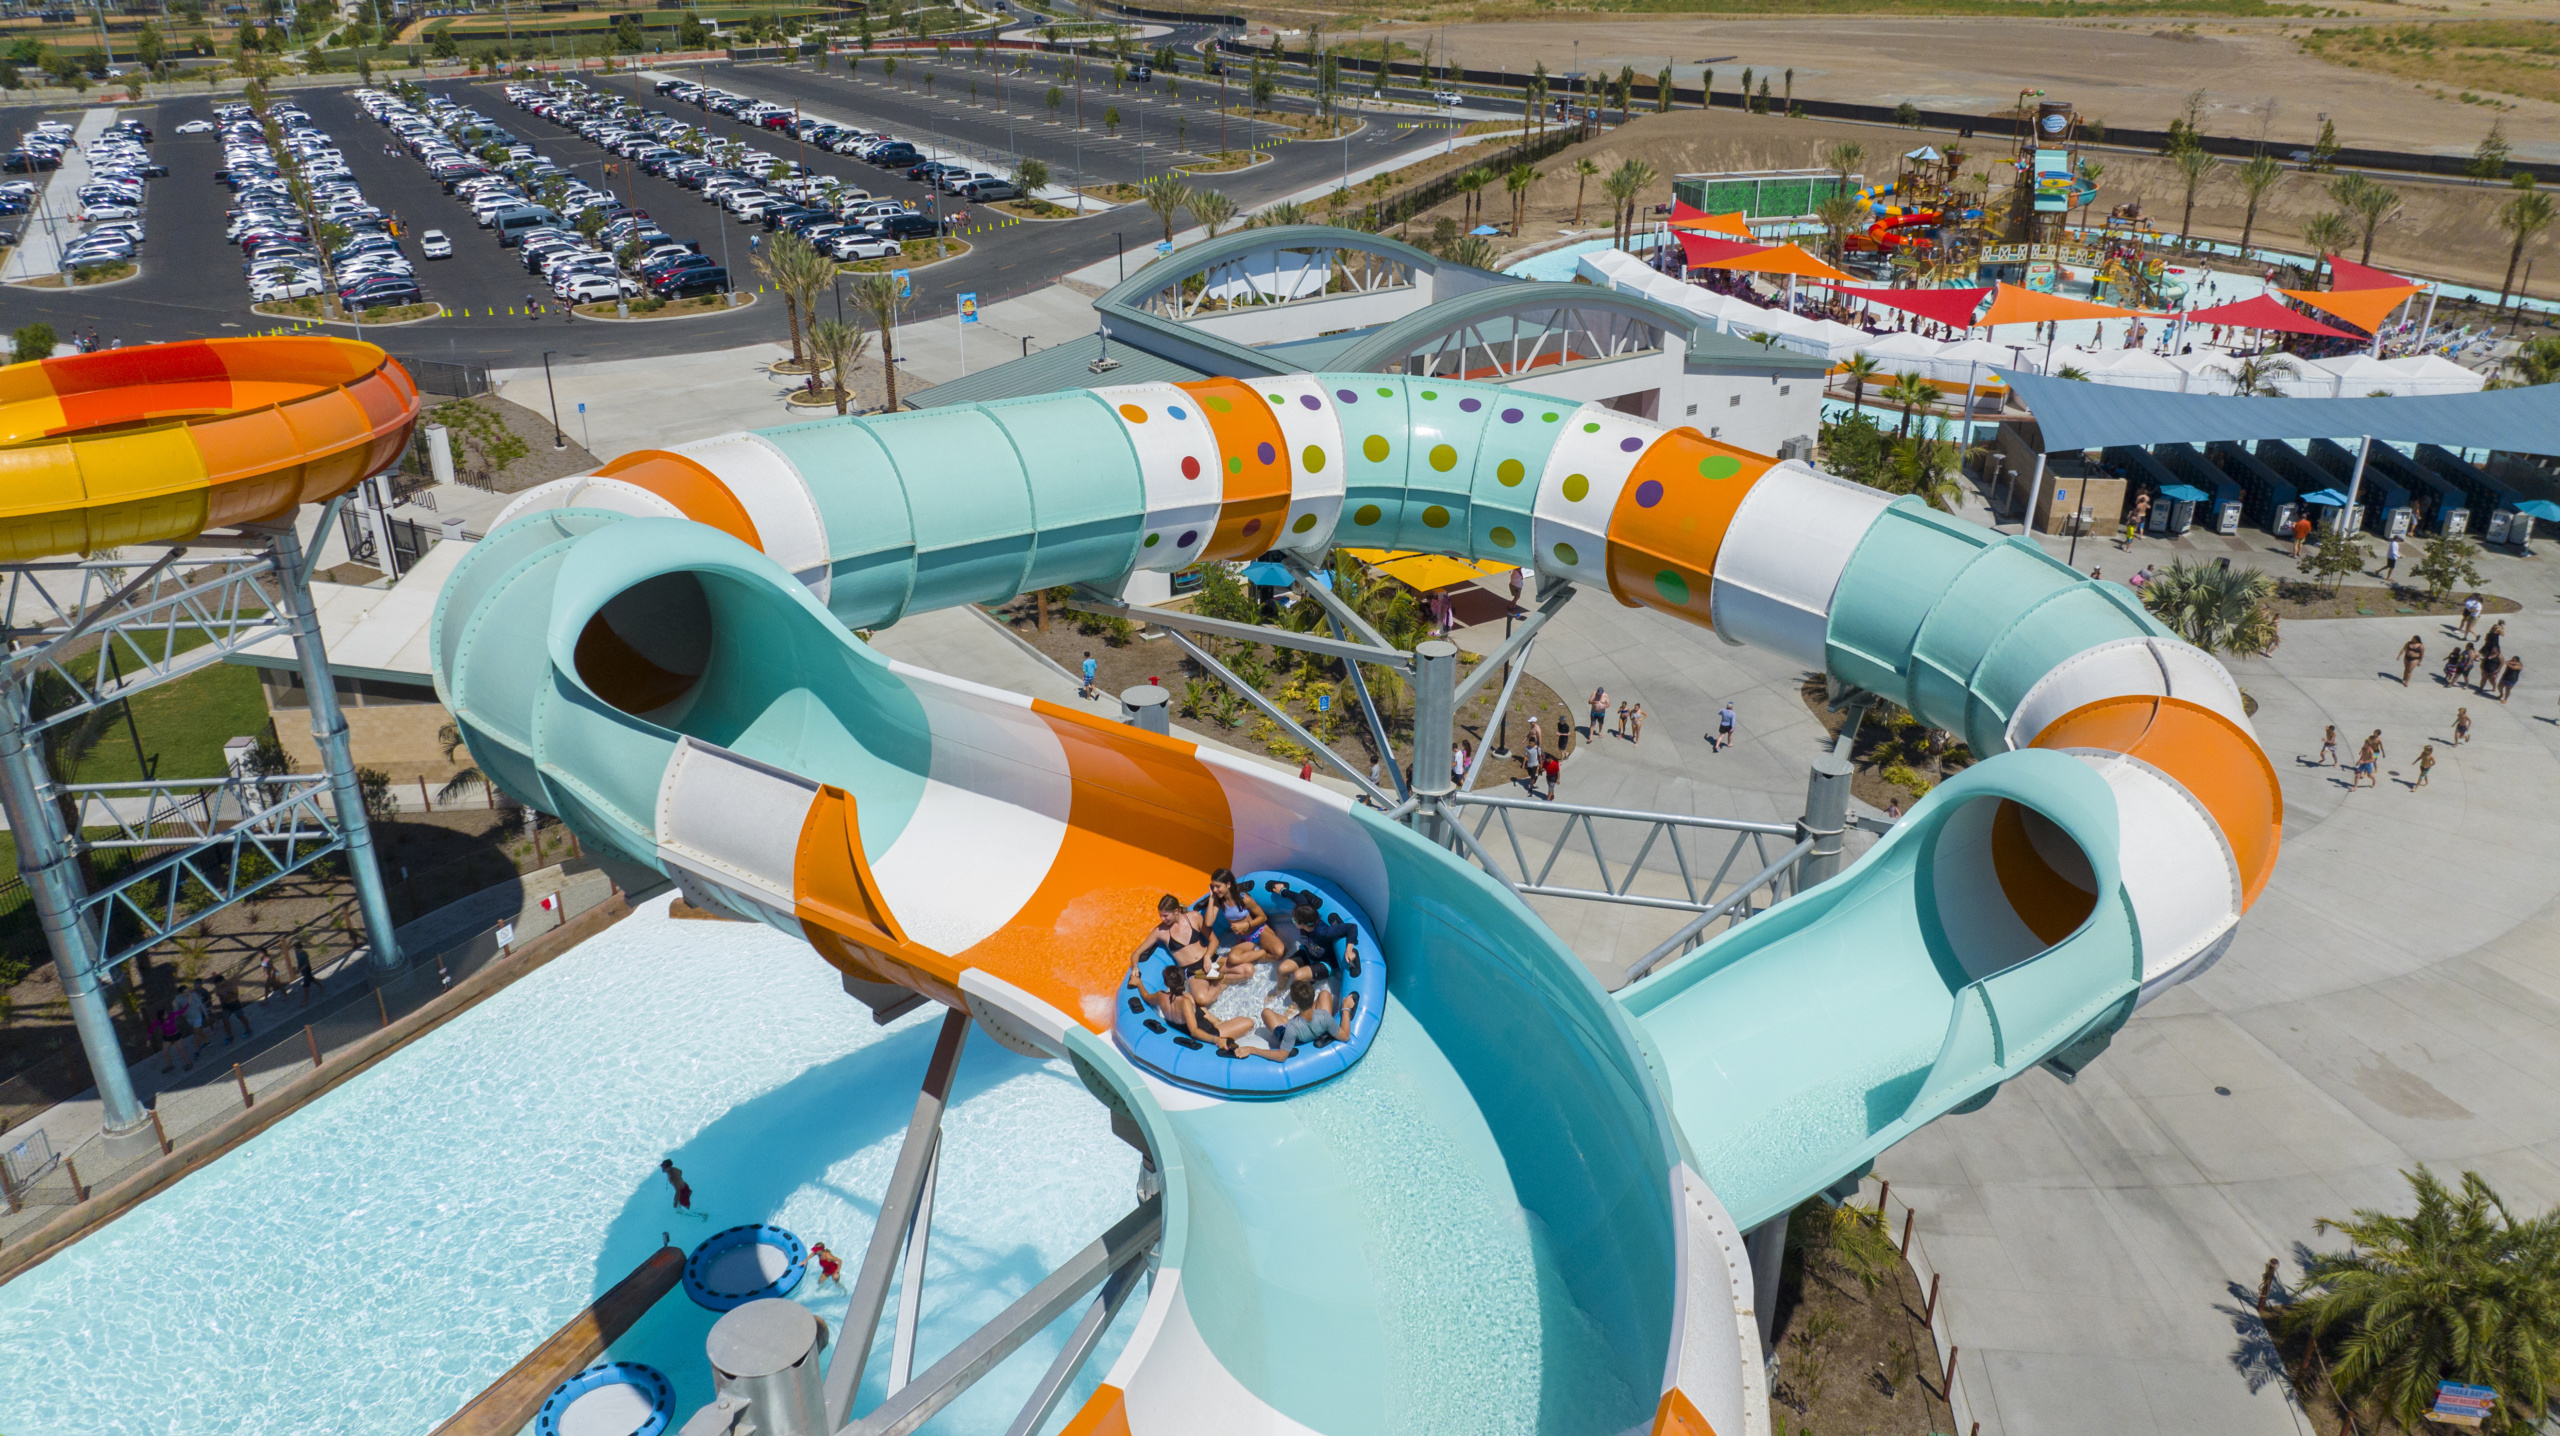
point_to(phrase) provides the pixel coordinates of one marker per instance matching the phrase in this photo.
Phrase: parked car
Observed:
(908, 224)
(853, 244)
(687, 282)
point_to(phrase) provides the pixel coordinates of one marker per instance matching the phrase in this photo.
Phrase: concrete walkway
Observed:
(2392, 999)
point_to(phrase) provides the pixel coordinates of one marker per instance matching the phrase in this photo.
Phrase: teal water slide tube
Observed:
(1516, 1211)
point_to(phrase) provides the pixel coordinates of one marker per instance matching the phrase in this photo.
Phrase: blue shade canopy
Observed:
(2540, 508)
(2074, 415)
(2329, 497)
(2185, 493)
(1268, 575)
(1484, 229)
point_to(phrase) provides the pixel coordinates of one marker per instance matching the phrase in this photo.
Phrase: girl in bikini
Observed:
(1248, 928)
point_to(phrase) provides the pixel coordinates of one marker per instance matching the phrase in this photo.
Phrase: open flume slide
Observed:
(157, 443)
(1491, 1222)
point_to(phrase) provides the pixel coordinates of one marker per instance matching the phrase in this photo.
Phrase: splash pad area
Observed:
(376, 1259)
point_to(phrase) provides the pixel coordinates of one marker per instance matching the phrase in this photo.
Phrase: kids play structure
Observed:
(1514, 1202)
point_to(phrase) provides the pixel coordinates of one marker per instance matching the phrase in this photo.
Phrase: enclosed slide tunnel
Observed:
(660, 653)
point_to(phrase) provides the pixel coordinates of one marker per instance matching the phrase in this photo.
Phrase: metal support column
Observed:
(47, 858)
(329, 730)
(2355, 486)
(888, 1233)
(1435, 714)
(1826, 818)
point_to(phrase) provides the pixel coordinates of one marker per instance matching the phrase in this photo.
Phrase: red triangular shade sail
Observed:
(1703, 249)
(2265, 312)
(1685, 215)
(2346, 274)
(1947, 306)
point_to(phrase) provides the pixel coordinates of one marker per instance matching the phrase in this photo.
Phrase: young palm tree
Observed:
(1470, 187)
(1287, 211)
(1168, 196)
(1212, 209)
(2325, 234)
(2258, 176)
(2256, 376)
(1843, 158)
(797, 272)
(1859, 370)
(2371, 204)
(2193, 165)
(1517, 180)
(840, 346)
(2458, 1290)
(1839, 214)
(1626, 185)
(2220, 610)
(877, 293)
(1924, 465)
(1583, 175)
(2523, 217)
(1909, 390)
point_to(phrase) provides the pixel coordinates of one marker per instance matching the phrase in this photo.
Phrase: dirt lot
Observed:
(2138, 71)
(2443, 231)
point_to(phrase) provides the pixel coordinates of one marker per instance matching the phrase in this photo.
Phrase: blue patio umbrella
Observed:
(2540, 508)
(2329, 498)
(1484, 229)
(1268, 575)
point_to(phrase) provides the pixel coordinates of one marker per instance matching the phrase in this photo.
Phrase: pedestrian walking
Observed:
(1621, 729)
(2301, 534)
(2509, 677)
(226, 1001)
(1306, 770)
(1599, 712)
(1088, 690)
(2490, 656)
(1724, 726)
(302, 966)
(2461, 726)
(1533, 759)
(2452, 672)
(1460, 759)
(267, 972)
(191, 1012)
(2328, 747)
(1635, 723)
(2391, 561)
(1555, 771)
(2412, 653)
(1533, 735)
(2368, 760)
(166, 1027)
(2470, 613)
(2426, 765)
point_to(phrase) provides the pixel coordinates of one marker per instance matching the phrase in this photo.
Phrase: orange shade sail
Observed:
(1689, 217)
(2363, 308)
(2017, 304)
(1782, 259)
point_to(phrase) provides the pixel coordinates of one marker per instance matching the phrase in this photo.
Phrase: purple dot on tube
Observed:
(1265, 452)
(1631, 445)
(1470, 405)
(1648, 493)
(1312, 402)
(1189, 537)
(1346, 396)
(1511, 416)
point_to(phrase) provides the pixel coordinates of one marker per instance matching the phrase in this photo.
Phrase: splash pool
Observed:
(377, 1258)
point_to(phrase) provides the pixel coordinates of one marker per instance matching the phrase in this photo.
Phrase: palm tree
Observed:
(1924, 465)
(2193, 165)
(2366, 203)
(1583, 169)
(1626, 184)
(2257, 177)
(2325, 234)
(798, 272)
(1839, 214)
(840, 346)
(1517, 180)
(1842, 158)
(1168, 196)
(878, 293)
(2072, 372)
(1287, 211)
(2458, 1290)
(2523, 217)
(465, 778)
(1908, 391)
(2255, 376)
(1859, 370)
(2220, 610)
(1470, 186)
(1212, 208)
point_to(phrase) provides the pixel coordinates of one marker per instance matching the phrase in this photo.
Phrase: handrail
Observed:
(1696, 925)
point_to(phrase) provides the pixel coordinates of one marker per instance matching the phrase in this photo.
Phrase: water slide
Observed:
(1519, 1210)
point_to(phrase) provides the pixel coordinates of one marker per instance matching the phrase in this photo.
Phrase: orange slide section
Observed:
(160, 442)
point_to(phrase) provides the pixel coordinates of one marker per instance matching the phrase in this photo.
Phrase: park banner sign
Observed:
(2460, 1405)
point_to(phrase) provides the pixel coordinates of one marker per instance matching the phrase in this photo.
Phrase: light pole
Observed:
(558, 439)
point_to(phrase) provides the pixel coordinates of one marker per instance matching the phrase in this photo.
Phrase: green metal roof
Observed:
(1047, 371)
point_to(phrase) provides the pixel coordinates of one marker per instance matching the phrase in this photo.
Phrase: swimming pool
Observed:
(377, 1258)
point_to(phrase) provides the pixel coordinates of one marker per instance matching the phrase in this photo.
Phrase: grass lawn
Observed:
(181, 725)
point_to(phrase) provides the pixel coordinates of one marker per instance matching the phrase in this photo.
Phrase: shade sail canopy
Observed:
(2017, 304)
(2266, 312)
(1429, 572)
(2363, 308)
(2073, 415)
(1689, 217)
(1780, 259)
(1702, 251)
(1947, 306)
(2346, 275)
(2184, 493)
(2326, 498)
(2540, 508)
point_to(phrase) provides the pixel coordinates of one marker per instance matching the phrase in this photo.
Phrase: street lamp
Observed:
(558, 439)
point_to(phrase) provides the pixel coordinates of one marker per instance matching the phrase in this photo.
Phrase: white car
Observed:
(292, 288)
(854, 245)
(196, 127)
(594, 289)
(434, 245)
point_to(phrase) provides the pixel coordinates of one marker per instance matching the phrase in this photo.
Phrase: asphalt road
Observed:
(191, 283)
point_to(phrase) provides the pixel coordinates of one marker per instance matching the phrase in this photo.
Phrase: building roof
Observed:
(1046, 371)
(2073, 415)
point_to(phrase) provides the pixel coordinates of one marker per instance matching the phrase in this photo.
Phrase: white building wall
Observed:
(1758, 412)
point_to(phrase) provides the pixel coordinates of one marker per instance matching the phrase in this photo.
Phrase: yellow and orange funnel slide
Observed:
(160, 442)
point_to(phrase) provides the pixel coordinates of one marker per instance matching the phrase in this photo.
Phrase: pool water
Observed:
(377, 1258)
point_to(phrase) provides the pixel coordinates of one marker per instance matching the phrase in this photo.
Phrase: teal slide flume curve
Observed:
(1491, 1221)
